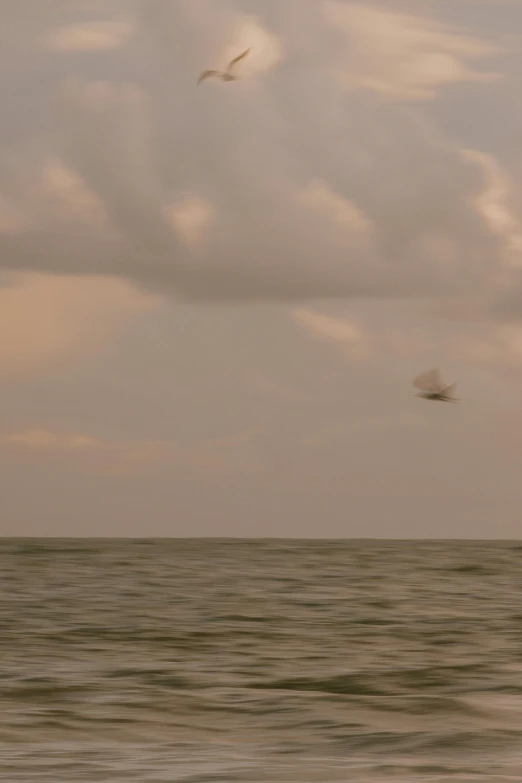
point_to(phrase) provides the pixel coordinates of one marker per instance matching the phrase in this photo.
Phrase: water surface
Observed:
(231, 660)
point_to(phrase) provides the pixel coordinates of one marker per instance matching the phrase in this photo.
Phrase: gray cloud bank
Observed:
(275, 158)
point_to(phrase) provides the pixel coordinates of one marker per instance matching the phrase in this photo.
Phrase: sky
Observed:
(214, 298)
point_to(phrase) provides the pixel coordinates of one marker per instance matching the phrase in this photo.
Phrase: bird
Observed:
(225, 76)
(432, 387)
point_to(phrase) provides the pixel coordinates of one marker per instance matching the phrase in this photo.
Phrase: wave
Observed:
(395, 682)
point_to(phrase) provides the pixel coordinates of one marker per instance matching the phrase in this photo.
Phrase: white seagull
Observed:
(432, 388)
(225, 76)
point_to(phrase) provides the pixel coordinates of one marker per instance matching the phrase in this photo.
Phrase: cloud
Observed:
(498, 203)
(53, 198)
(48, 319)
(63, 194)
(91, 453)
(44, 440)
(494, 203)
(190, 217)
(417, 336)
(334, 330)
(219, 456)
(267, 240)
(403, 56)
(376, 334)
(279, 188)
(319, 195)
(489, 345)
(89, 36)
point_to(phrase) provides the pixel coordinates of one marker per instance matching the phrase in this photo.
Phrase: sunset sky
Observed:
(214, 299)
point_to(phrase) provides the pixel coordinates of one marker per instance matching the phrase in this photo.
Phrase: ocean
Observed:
(193, 661)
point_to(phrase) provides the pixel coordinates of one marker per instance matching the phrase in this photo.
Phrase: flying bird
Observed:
(225, 76)
(432, 387)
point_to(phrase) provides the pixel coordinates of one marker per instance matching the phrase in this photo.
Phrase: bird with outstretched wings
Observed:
(226, 75)
(432, 387)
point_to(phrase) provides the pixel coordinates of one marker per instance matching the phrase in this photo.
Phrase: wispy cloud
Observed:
(217, 456)
(340, 210)
(40, 440)
(475, 341)
(89, 36)
(495, 204)
(402, 56)
(336, 330)
(46, 320)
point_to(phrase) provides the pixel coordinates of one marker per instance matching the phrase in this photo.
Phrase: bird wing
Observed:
(448, 391)
(207, 74)
(428, 381)
(237, 59)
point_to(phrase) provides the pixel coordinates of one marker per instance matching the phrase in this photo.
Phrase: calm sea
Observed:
(233, 660)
